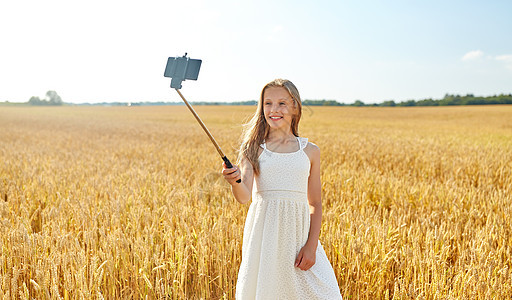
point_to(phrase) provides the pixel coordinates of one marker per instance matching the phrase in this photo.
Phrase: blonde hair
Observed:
(256, 130)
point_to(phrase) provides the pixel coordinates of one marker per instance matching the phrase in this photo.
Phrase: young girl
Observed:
(281, 255)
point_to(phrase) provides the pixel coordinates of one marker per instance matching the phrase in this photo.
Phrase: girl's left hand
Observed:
(306, 257)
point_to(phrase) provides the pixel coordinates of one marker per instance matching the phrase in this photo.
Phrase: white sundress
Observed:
(276, 228)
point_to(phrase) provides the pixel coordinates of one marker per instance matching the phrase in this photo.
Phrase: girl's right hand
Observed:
(231, 174)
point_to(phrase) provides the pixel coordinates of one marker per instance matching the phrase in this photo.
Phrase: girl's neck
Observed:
(280, 136)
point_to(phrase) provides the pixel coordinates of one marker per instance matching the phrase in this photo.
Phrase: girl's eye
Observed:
(282, 103)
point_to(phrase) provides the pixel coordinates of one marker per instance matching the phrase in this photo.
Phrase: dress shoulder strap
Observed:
(303, 142)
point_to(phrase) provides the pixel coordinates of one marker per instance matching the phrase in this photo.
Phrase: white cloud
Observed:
(507, 59)
(472, 55)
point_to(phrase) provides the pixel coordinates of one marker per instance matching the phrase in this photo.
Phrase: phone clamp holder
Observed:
(180, 69)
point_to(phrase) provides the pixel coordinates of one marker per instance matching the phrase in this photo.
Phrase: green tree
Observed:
(34, 101)
(388, 103)
(358, 103)
(427, 102)
(407, 103)
(53, 98)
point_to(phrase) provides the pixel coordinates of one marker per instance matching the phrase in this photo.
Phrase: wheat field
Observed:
(129, 203)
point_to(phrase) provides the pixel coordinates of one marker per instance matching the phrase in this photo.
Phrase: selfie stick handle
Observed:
(224, 158)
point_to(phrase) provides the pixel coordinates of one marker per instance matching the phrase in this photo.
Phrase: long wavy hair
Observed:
(257, 129)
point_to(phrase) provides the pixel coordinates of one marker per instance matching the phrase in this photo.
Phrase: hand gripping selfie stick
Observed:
(180, 69)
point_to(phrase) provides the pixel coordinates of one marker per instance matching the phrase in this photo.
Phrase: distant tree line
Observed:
(448, 99)
(250, 102)
(52, 98)
(321, 103)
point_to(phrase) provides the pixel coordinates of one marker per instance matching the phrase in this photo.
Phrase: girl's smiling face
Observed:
(278, 108)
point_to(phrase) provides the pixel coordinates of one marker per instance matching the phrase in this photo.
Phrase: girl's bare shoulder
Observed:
(313, 151)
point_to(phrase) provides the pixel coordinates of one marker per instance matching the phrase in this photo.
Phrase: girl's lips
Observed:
(275, 118)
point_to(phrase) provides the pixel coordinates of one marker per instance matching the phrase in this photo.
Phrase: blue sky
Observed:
(95, 51)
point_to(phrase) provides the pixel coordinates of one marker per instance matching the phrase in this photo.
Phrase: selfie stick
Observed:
(180, 69)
